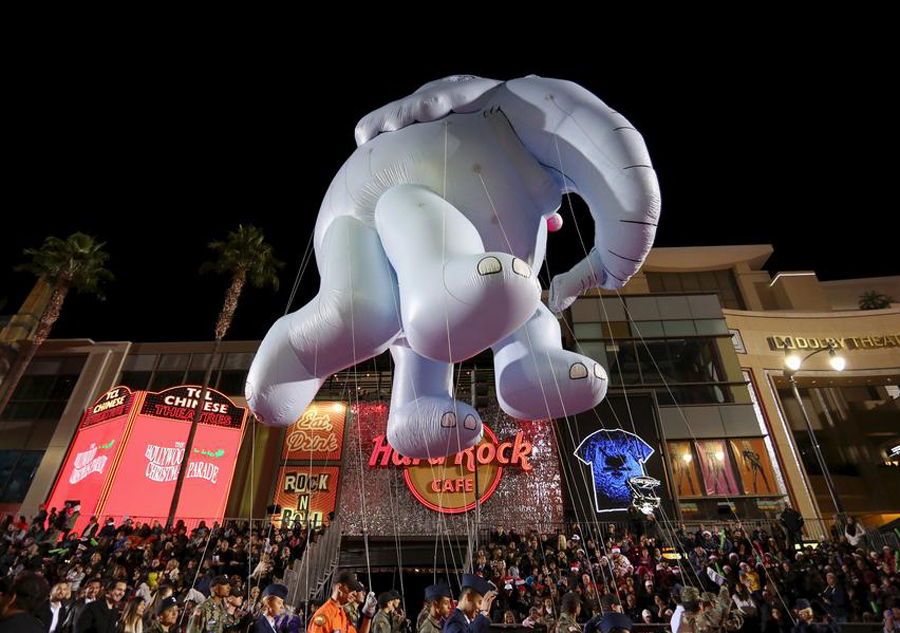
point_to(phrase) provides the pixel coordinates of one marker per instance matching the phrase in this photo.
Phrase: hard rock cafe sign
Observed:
(447, 484)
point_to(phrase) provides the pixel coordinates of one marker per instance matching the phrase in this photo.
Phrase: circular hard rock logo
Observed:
(447, 484)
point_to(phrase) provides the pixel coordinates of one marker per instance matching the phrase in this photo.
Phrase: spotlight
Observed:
(793, 362)
(837, 362)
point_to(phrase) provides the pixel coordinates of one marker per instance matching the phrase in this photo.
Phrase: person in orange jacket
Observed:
(332, 617)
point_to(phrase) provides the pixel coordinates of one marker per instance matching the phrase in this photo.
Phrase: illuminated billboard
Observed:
(154, 449)
(318, 435)
(91, 459)
(306, 492)
(447, 484)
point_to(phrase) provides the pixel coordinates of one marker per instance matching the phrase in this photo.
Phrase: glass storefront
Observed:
(856, 422)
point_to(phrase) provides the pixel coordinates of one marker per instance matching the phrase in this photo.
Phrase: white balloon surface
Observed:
(429, 241)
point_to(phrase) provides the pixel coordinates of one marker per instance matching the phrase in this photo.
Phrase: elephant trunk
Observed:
(595, 152)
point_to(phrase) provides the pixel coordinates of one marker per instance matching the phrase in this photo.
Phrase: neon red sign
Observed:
(447, 484)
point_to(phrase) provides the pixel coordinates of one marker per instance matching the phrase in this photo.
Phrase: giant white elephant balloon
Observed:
(429, 241)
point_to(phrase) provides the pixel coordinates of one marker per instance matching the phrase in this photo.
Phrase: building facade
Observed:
(855, 413)
(698, 336)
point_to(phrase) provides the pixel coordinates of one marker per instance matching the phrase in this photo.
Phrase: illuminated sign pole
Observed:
(201, 401)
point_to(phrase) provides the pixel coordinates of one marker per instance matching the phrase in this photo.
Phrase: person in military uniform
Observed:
(472, 613)
(273, 598)
(383, 622)
(166, 616)
(711, 618)
(353, 606)
(331, 617)
(211, 615)
(570, 608)
(437, 598)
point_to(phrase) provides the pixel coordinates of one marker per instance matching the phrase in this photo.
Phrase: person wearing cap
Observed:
(711, 618)
(613, 622)
(472, 613)
(273, 598)
(570, 607)
(331, 617)
(383, 622)
(438, 604)
(354, 606)
(211, 616)
(165, 617)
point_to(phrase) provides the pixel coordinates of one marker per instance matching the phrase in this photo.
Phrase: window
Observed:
(44, 389)
(234, 373)
(722, 282)
(197, 371)
(17, 469)
(137, 371)
(156, 373)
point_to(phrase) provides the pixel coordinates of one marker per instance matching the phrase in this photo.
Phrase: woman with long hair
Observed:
(131, 618)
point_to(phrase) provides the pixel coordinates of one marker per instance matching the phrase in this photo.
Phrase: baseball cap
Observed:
(613, 620)
(348, 578)
(276, 589)
(220, 580)
(166, 603)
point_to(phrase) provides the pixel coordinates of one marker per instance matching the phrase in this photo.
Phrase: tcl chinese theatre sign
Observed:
(447, 484)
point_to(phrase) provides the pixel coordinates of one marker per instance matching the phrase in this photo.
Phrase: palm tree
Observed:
(74, 263)
(247, 257)
(874, 300)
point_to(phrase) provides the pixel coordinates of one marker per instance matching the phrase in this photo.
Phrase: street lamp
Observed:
(793, 363)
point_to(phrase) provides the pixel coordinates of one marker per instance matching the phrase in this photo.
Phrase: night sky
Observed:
(754, 142)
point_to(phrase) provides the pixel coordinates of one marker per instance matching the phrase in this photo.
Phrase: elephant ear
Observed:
(436, 99)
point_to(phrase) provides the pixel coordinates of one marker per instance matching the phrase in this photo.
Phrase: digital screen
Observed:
(615, 459)
(148, 468)
(92, 454)
(306, 492)
(318, 435)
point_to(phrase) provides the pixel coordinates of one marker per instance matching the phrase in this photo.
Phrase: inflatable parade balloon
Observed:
(429, 241)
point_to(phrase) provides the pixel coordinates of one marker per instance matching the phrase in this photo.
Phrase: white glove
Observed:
(370, 605)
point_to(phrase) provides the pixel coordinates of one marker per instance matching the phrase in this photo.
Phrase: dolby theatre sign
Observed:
(447, 484)
(871, 341)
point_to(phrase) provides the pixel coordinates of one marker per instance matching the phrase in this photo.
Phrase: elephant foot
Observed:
(485, 297)
(563, 382)
(433, 426)
(283, 403)
(279, 388)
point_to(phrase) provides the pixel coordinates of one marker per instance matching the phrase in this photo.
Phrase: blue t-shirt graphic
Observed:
(615, 457)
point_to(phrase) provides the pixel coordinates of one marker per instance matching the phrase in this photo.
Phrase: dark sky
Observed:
(755, 141)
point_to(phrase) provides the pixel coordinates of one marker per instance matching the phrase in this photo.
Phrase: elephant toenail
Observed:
(470, 422)
(598, 371)
(577, 371)
(521, 268)
(448, 420)
(489, 266)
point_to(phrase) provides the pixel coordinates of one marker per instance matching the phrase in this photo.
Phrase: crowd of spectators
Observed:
(149, 577)
(776, 581)
(137, 568)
